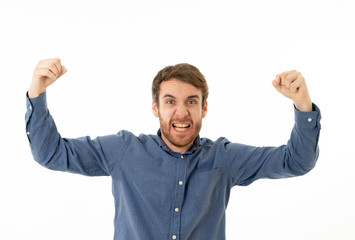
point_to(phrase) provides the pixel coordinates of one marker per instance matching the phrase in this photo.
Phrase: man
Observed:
(173, 185)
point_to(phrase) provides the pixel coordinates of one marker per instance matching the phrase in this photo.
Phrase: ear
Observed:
(155, 109)
(204, 110)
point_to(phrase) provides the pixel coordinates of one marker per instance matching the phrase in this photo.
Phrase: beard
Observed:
(179, 139)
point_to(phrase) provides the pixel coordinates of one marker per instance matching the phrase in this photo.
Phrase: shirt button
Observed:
(173, 237)
(182, 157)
(309, 119)
(176, 210)
(30, 107)
(181, 182)
(28, 133)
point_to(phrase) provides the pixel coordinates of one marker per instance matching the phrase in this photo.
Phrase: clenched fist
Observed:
(291, 84)
(46, 72)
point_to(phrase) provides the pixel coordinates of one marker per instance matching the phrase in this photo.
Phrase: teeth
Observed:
(180, 129)
(181, 125)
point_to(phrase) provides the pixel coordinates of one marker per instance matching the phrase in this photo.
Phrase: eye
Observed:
(191, 102)
(170, 102)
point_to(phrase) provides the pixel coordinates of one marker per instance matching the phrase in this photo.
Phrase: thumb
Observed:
(276, 83)
(64, 70)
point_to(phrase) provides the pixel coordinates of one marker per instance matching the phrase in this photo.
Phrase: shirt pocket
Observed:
(206, 188)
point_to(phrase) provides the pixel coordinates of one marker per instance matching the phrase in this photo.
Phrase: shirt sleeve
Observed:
(81, 155)
(297, 157)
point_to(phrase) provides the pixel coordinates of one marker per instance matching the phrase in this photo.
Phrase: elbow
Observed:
(304, 164)
(45, 160)
(48, 157)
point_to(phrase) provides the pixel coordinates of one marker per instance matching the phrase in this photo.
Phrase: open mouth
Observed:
(181, 126)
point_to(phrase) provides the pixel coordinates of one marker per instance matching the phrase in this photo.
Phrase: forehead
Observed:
(178, 88)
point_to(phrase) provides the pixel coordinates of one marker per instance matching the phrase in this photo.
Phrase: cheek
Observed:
(165, 115)
(197, 116)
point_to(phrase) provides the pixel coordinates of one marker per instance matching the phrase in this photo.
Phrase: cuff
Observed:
(308, 119)
(36, 105)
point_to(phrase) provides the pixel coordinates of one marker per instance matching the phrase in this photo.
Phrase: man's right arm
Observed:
(80, 155)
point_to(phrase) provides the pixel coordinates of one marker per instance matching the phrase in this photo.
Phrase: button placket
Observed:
(177, 204)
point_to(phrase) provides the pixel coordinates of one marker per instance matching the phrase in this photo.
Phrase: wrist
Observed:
(305, 106)
(33, 92)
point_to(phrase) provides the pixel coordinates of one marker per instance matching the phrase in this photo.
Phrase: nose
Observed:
(181, 111)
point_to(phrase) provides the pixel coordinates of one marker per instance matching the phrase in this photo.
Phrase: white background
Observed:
(113, 49)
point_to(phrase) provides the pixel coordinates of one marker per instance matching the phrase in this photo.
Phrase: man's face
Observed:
(180, 114)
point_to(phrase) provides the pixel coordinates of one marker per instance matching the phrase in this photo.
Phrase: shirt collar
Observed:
(195, 146)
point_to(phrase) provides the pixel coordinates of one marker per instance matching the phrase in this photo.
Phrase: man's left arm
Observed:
(298, 156)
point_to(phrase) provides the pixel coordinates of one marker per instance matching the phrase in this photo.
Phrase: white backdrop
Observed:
(113, 49)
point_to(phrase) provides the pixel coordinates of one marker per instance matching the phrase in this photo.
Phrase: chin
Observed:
(182, 139)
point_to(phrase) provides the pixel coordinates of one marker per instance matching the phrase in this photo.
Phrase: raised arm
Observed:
(80, 155)
(298, 156)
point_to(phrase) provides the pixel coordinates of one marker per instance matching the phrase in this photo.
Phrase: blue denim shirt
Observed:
(164, 195)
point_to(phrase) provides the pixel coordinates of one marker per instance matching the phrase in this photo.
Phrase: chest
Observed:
(171, 181)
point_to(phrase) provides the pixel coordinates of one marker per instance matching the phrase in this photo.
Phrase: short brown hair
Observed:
(184, 72)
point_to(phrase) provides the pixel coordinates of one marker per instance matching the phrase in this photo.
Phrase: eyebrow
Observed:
(171, 96)
(168, 96)
(193, 96)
